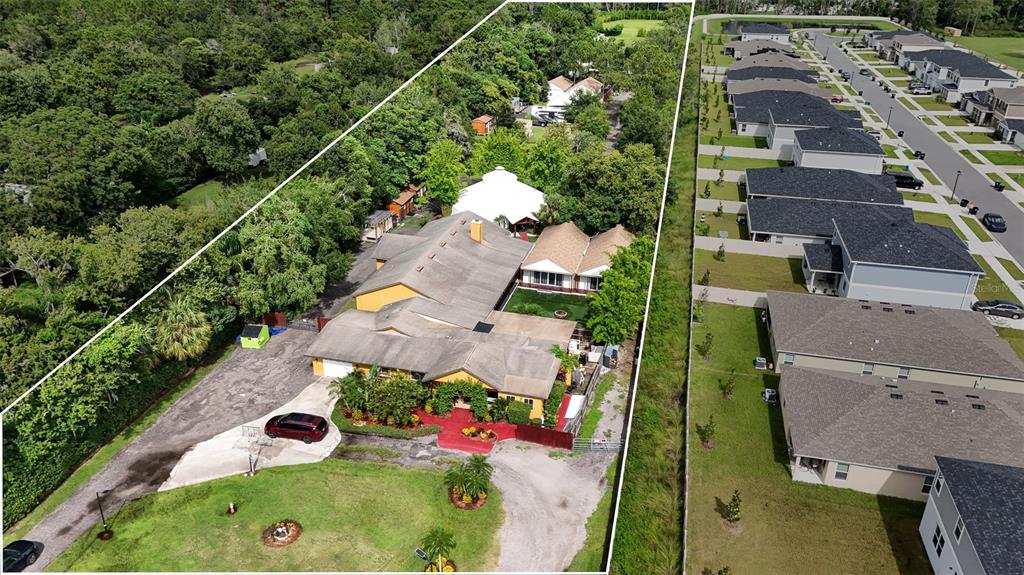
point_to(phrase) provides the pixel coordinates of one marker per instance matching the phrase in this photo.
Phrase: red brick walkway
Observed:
(451, 436)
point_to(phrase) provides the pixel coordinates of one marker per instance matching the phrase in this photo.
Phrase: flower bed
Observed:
(460, 500)
(344, 423)
(482, 433)
(447, 566)
(281, 533)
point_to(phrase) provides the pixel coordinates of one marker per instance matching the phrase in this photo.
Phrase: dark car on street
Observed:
(905, 180)
(864, 72)
(999, 307)
(302, 426)
(994, 222)
(20, 554)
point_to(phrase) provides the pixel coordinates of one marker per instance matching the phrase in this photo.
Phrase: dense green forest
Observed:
(111, 110)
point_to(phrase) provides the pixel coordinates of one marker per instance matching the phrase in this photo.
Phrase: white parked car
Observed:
(920, 91)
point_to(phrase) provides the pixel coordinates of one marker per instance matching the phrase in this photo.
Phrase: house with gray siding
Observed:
(763, 31)
(953, 73)
(782, 220)
(974, 519)
(899, 342)
(740, 49)
(881, 436)
(784, 121)
(875, 256)
(848, 148)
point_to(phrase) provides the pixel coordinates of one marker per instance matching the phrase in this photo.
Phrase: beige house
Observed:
(564, 259)
(899, 342)
(881, 436)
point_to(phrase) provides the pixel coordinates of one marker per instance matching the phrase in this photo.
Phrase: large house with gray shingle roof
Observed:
(782, 220)
(846, 148)
(755, 72)
(877, 256)
(763, 31)
(904, 342)
(822, 184)
(739, 49)
(955, 72)
(880, 435)
(974, 519)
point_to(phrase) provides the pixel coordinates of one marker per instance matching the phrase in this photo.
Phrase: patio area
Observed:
(452, 424)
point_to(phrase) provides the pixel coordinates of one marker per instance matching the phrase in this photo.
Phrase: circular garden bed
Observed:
(282, 533)
(458, 501)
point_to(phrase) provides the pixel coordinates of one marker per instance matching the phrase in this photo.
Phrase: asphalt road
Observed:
(941, 159)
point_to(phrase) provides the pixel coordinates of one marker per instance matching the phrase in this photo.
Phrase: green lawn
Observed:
(1000, 49)
(1012, 268)
(631, 29)
(928, 175)
(830, 86)
(928, 120)
(899, 83)
(868, 56)
(931, 104)
(978, 137)
(938, 220)
(976, 228)
(715, 26)
(342, 506)
(919, 197)
(948, 137)
(735, 163)
(1019, 178)
(993, 176)
(890, 150)
(749, 272)
(719, 123)
(723, 191)
(1015, 337)
(590, 557)
(1001, 158)
(103, 455)
(725, 223)
(889, 132)
(952, 120)
(786, 526)
(594, 412)
(990, 286)
(892, 72)
(728, 139)
(575, 305)
(204, 195)
(971, 157)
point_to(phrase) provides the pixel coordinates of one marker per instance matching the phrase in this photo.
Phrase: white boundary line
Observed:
(249, 212)
(647, 306)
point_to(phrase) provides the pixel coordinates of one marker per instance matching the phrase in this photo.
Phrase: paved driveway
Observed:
(943, 160)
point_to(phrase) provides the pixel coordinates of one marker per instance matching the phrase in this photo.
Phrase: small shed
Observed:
(483, 125)
(254, 336)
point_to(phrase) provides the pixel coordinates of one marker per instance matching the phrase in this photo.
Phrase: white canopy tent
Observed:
(500, 193)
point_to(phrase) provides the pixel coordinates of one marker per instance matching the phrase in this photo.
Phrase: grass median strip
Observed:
(971, 157)
(1013, 269)
(928, 175)
(990, 286)
(938, 220)
(976, 228)
(919, 197)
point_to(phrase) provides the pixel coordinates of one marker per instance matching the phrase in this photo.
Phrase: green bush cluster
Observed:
(446, 393)
(612, 30)
(518, 413)
(347, 426)
(552, 404)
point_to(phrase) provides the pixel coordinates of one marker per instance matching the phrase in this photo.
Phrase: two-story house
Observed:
(1008, 114)
(905, 45)
(763, 31)
(955, 72)
(848, 148)
(740, 49)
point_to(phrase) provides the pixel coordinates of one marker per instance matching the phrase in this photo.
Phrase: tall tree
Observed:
(181, 329)
(618, 306)
(442, 172)
(226, 134)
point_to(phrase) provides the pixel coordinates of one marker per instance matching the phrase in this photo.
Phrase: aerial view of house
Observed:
(565, 259)
(500, 197)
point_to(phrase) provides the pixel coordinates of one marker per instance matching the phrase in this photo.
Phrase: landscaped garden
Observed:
(577, 307)
(784, 526)
(340, 504)
(748, 272)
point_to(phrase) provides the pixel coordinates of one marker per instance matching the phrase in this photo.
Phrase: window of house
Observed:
(547, 278)
(842, 471)
(788, 359)
(595, 283)
(938, 541)
(528, 401)
(927, 486)
(958, 531)
(867, 369)
(904, 373)
(938, 484)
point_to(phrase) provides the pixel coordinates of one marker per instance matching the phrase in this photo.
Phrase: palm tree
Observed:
(502, 221)
(455, 478)
(548, 214)
(438, 544)
(476, 475)
(183, 330)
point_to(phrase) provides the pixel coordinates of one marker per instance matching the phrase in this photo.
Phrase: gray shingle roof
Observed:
(1016, 124)
(805, 110)
(757, 107)
(751, 47)
(762, 28)
(823, 257)
(990, 499)
(887, 241)
(737, 87)
(855, 419)
(823, 184)
(765, 72)
(954, 341)
(803, 217)
(839, 140)
(770, 60)
(966, 64)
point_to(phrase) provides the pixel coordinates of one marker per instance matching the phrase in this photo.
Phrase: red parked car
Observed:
(836, 99)
(308, 428)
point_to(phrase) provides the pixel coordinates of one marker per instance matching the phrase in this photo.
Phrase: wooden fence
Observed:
(544, 436)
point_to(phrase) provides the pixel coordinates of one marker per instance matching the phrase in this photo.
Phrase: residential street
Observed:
(246, 385)
(943, 160)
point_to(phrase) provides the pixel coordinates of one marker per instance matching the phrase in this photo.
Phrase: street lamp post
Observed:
(888, 117)
(955, 182)
(106, 533)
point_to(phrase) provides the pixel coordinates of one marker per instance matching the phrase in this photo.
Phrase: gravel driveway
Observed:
(547, 503)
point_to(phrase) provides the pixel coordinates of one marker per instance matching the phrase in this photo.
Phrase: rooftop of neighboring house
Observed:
(940, 339)
(486, 118)
(1016, 124)
(590, 83)
(500, 193)
(805, 110)
(459, 278)
(839, 140)
(770, 60)
(990, 500)
(762, 28)
(875, 239)
(753, 107)
(755, 72)
(966, 64)
(451, 325)
(377, 217)
(566, 246)
(561, 82)
(753, 46)
(917, 39)
(739, 87)
(897, 424)
(1010, 95)
(823, 184)
(823, 257)
(408, 194)
(811, 217)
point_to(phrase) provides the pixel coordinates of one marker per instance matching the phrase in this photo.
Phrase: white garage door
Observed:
(336, 368)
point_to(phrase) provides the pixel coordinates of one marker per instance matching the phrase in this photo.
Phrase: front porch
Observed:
(808, 470)
(822, 267)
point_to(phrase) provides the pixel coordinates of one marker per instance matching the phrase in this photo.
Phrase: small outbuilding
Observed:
(254, 336)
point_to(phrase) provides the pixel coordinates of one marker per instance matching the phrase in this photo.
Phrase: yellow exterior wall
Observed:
(375, 300)
(538, 404)
(461, 376)
(318, 367)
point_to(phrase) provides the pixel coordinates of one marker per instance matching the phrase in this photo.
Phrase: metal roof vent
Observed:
(419, 268)
(896, 395)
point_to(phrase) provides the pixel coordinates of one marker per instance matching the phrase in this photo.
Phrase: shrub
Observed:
(499, 407)
(393, 396)
(551, 405)
(470, 477)
(446, 393)
(518, 413)
(346, 425)
(528, 309)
